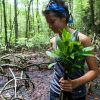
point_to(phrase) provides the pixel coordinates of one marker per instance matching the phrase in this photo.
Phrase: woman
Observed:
(57, 16)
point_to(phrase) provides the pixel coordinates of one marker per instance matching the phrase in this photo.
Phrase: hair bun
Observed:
(62, 2)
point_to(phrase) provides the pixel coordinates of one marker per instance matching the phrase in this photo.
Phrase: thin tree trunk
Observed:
(71, 10)
(92, 14)
(91, 2)
(10, 21)
(28, 19)
(72, 25)
(15, 21)
(81, 13)
(10, 26)
(1, 16)
(37, 15)
(5, 23)
(33, 16)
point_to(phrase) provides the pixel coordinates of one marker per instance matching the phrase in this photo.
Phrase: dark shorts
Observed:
(54, 96)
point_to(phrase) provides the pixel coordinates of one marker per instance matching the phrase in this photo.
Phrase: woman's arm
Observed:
(91, 62)
(93, 72)
(52, 40)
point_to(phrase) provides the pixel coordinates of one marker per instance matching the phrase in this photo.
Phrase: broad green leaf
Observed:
(51, 65)
(56, 53)
(73, 38)
(88, 49)
(70, 47)
(65, 35)
(72, 55)
(77, 66)
(84, 54)
(50, 54)
(71, 51)
(60, 44)
(77, 43)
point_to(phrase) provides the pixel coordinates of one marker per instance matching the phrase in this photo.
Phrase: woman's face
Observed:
(55, 23)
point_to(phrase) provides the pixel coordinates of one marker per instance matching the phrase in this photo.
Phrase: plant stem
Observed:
(66, 95)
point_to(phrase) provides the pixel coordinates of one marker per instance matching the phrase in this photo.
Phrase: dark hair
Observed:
(57, 13)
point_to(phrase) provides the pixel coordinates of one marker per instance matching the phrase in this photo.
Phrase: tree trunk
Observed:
(15, 21)
(10, 24)
(10, 21)
(5, 23)
(70, 5)
(1, 16)
(37, 15)
(28, 19)
(81, 13)
(91, 2)
(92, 14)
(33, 16)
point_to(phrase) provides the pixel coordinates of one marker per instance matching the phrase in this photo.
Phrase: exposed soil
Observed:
(41, 77)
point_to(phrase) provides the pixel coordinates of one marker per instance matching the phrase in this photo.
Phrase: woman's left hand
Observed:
(66, 85)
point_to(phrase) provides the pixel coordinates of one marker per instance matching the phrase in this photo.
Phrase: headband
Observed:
(56, 7)
(53, 6)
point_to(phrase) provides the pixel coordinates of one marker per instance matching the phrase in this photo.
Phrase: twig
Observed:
(98, 58)
(9, 65)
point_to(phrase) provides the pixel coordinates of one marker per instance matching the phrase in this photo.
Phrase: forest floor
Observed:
(41, 77)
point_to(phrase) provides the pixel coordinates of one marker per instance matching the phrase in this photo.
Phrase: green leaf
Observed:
(87, 54)
(78, 43)
(72, 55)
(70, 47)
(77, 66)
(51, 65)
(73, 38)
(70, 51)
(65, 35)
(56, 53)
(50, 54)
(60, 44)
(88, 49)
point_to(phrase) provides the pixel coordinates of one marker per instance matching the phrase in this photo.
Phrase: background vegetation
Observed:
(22, 24)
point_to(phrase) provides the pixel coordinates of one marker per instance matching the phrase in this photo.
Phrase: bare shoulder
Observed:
(84, 39)
(52, 40)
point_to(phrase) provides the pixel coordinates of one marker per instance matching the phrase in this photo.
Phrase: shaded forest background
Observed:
(22, 25)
